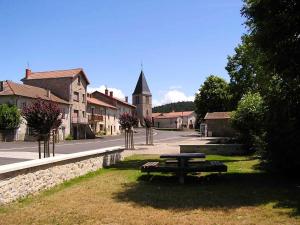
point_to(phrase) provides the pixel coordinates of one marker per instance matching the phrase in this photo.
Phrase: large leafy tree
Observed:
(10, 117)
(274, 26)
(244, 69)
(213, 96)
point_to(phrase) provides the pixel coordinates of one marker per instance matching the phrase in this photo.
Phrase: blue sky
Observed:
(180, 42)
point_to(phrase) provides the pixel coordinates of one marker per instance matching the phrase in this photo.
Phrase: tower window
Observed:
(137, 100)
(147, 99)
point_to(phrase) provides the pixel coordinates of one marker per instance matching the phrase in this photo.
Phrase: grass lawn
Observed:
(122, 195)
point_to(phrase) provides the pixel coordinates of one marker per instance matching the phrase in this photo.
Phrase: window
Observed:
(78, 80)
(76, 96)
(63, 113)
(23, 104)
(137, 100)
(147, 99)
(83, 98)
(75, 114)
(30, 131)
(83, 114)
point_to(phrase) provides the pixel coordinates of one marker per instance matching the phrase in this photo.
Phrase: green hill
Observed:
(177, 107)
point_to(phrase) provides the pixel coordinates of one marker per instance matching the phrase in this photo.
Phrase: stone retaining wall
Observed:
(21, 179)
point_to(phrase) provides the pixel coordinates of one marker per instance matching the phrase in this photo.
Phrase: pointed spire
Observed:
(142, 86)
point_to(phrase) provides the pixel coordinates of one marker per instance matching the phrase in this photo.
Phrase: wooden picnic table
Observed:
(183, 160)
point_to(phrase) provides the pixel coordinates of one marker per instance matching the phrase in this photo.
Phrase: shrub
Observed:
(69, 138)
(248, 120)
(10, 117)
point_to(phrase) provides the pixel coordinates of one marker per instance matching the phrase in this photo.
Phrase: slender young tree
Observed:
(149, 130)
(127, 122)
(10, 118)
(43, 117)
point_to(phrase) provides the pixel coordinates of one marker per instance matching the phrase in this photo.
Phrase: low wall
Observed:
(21, 179)
(213, 149)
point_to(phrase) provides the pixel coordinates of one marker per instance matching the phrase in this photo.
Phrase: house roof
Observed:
(217, 115)
(11, 88)
(96, 101)
(56, 74)
(117, 99)
(142, 86)
(171, 115)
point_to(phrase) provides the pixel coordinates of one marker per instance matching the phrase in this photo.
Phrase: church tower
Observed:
(142, 99)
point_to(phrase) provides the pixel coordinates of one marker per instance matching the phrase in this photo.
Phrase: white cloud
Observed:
(117, 92)
(172, 95)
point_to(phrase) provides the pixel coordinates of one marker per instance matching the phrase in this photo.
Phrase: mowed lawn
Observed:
(122, 195)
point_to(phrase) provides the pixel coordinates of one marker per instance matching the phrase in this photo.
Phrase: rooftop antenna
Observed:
(142, 65)
(28, 65)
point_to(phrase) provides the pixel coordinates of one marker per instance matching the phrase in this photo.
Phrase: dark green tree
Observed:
(274, 26)
(244, 69)
(10, 117)
(213, 96)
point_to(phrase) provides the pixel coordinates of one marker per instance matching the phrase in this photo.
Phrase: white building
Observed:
(175, 120)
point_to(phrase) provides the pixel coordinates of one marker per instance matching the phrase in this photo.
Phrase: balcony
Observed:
(95, 118)
(79, 120)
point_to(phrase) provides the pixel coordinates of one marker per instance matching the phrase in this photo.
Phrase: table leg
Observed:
(181, 165)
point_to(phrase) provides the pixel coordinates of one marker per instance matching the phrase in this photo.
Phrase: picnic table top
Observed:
(183, 155)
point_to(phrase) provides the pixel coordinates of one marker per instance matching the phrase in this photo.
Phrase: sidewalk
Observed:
(164, 147)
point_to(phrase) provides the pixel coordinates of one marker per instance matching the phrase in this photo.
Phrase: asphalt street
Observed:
(12, 152)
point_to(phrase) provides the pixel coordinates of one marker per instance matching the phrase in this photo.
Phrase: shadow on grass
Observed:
(226, 191)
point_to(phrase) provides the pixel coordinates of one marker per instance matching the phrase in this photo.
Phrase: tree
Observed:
(248, 120)
(43, 117)
(213, 96)
(244, 69)
(274, 27)
(127, 122)
(10, 118)
(149, 131)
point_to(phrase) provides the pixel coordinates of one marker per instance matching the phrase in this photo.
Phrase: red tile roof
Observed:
(12, 88)
(217, 115)
(96, 101)
(117, 99)
(171, 115)
(56, 74)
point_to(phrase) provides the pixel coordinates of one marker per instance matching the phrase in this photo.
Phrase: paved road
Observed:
(21, 151)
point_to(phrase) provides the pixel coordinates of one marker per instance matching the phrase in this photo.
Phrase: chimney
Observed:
(48, 93)
(1, 86)
(27, 73)
(106, 91)
(111, 94)
(126, 99)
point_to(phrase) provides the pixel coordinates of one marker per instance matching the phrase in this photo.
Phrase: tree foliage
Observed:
(213, 96)
(244, 69)
(274, 38)
(176, 107)
(148, 122)
(127, 121)
(248, 119)
(42, 116)
(10, 117)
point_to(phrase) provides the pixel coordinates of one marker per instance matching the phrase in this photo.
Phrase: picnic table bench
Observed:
(184, 163)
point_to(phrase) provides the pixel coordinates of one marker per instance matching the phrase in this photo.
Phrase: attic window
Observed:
(78, 80)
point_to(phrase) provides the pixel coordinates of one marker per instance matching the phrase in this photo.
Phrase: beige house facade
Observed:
(122, 106)
(22, 95)
(174, 120)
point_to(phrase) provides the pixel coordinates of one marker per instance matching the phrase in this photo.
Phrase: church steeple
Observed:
(142, 86)
(142, 98)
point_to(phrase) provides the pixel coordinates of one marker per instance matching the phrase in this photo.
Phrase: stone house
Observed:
(22, 95)
(174, 120)
(218, 124)
(122, 106)
(101, 116)
(71, 86)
